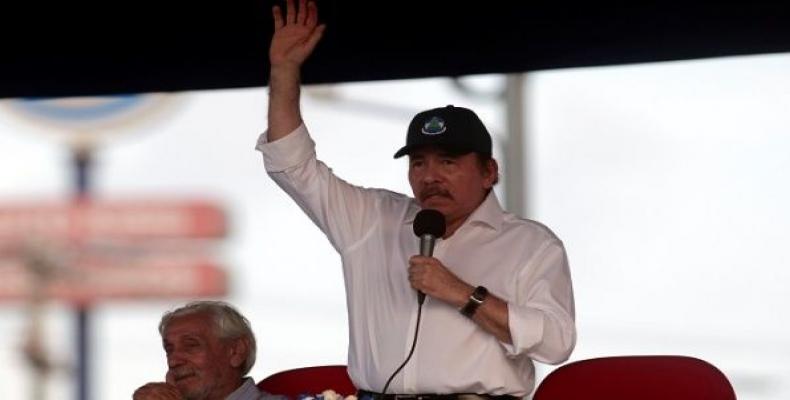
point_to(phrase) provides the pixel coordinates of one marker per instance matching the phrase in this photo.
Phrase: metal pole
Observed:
(35, 345)
(81, 156)
(41, 269)
(516, 151)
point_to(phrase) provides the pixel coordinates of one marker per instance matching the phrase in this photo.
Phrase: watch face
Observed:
(480, 293)
(475, 300)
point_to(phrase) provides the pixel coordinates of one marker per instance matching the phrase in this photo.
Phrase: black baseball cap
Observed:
(453, 128)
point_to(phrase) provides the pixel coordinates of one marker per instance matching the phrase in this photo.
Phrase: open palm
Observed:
(295, 34)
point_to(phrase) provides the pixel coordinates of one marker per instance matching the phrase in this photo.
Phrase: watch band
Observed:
(475, 300)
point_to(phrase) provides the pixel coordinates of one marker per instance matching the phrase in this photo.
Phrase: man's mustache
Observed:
(179, 373)
(431, 191)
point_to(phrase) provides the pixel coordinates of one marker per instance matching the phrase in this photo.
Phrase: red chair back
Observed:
(636, 377)
(309, 381)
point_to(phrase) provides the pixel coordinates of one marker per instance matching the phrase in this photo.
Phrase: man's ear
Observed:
(239, 350)
(491, 173)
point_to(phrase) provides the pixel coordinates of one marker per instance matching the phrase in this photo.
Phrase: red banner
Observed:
(81, 220)
(95, 279)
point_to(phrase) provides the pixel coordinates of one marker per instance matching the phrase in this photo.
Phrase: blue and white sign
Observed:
(91, 119)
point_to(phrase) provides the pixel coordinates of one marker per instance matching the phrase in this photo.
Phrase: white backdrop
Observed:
(667, 183)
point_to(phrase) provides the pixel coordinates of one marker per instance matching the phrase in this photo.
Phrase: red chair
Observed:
(636, 378)
(309, 381)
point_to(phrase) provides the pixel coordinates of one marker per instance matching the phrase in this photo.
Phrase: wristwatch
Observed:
(475, 300)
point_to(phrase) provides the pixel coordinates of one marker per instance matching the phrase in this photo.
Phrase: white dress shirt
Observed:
(519, 261)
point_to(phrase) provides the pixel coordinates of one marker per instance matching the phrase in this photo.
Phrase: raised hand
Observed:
(295, 34)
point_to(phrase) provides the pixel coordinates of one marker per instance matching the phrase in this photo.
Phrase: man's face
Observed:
(200, 364)
(453, 184)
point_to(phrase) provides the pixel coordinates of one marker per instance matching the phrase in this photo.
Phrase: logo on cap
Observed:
(434, 126)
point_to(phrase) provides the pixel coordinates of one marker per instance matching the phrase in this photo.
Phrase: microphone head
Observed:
(429, 222)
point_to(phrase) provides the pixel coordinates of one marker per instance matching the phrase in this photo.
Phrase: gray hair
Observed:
(228, 324)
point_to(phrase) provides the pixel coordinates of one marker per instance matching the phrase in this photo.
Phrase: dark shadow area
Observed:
(142, 46)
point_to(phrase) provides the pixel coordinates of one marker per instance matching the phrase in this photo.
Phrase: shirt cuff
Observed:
(526, 329)
(286, 152)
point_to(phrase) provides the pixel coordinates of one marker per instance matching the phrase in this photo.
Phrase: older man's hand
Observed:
(157, 391)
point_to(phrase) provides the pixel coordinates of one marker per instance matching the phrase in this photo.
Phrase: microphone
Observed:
(429, 225)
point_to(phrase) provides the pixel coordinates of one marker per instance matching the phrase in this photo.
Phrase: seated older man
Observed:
(210, 348)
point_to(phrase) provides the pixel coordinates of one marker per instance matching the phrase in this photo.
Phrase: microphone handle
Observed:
(427, 241)
(426, 245)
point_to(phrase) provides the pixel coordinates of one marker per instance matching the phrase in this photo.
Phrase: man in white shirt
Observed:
(498, 287)
(210, 348)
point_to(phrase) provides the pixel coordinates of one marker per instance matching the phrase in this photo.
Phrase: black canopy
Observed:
(69, 48)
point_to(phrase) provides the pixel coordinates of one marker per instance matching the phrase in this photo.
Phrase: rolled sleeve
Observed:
(526, 329)
(344, 212)
(542, 323)
(286, 152)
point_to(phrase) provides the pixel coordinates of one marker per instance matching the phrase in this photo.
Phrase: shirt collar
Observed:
(489, 213)
(247, 390)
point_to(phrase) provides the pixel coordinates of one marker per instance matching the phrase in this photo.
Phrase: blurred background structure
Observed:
(665, 179)
(666, 182)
